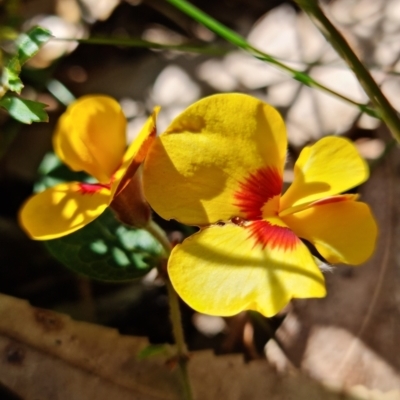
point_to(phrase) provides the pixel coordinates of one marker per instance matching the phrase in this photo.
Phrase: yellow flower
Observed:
(222, 162)
(90, 137)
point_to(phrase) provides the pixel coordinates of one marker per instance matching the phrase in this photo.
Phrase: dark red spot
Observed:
(256, 190)
(273, 236)
(91, 188)
(238, 221)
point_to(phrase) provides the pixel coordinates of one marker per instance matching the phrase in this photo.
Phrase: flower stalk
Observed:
(175, 315)
(387, 113)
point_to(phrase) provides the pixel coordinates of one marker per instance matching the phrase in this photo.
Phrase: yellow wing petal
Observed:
(63, 209)
(222, 270)
(329, 167)
(342, 231)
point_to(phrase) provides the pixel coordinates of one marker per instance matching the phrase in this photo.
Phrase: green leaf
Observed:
(25, 111)
(29, 43)
(10, 78)
(107, 251)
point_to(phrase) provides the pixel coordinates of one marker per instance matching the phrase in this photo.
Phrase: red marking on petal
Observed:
(273, 236)
(256, 190)
(91, 188)
(333, 199)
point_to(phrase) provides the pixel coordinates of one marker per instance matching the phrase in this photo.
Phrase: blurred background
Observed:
(140, 78)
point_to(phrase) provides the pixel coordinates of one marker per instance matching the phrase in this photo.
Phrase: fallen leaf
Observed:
(49, 356)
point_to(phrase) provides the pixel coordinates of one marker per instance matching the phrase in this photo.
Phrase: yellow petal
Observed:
(329, 167)
(90, 136)
(223, 270)
(342, 231)
(135, 154)
(194, 169)
(63, 209)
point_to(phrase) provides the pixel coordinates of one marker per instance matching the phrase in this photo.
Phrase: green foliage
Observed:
(11, 80)
(107, 251)
(25, 111)
(27, 45)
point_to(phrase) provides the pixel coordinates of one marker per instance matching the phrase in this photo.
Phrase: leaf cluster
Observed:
(27, 45)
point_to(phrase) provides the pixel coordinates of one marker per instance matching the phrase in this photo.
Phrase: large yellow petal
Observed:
(342, 231)
(135, 154)
(194, 169)
(90, 136)
(63, 209)
(222, 270)
(329, 167)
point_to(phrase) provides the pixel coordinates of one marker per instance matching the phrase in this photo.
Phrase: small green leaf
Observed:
(25, 111)
(12, 81)
(107, 251)
(155, 350)
(29, 43)
(10, 78)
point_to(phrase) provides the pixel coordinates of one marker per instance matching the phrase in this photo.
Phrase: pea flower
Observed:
(90, 137)
(222, 160)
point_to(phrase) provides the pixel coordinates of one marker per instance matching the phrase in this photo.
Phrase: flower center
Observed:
(258, 199)
(258, 196)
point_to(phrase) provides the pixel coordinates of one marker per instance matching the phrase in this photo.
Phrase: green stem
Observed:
(132, 42)
(158, 233)
(242, 43)
(339, 43)
(175, 315)
(183, 357)
(60, 92)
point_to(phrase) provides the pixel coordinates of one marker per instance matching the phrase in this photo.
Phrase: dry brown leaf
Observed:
(80, 346)
(352, 336)
(49, 356)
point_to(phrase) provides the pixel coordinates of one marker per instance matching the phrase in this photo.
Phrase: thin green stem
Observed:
(242, 43)
(339, 43)
(175, 315)
(132, 42)
(183, 357)
(158, 233)
(60, 92)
